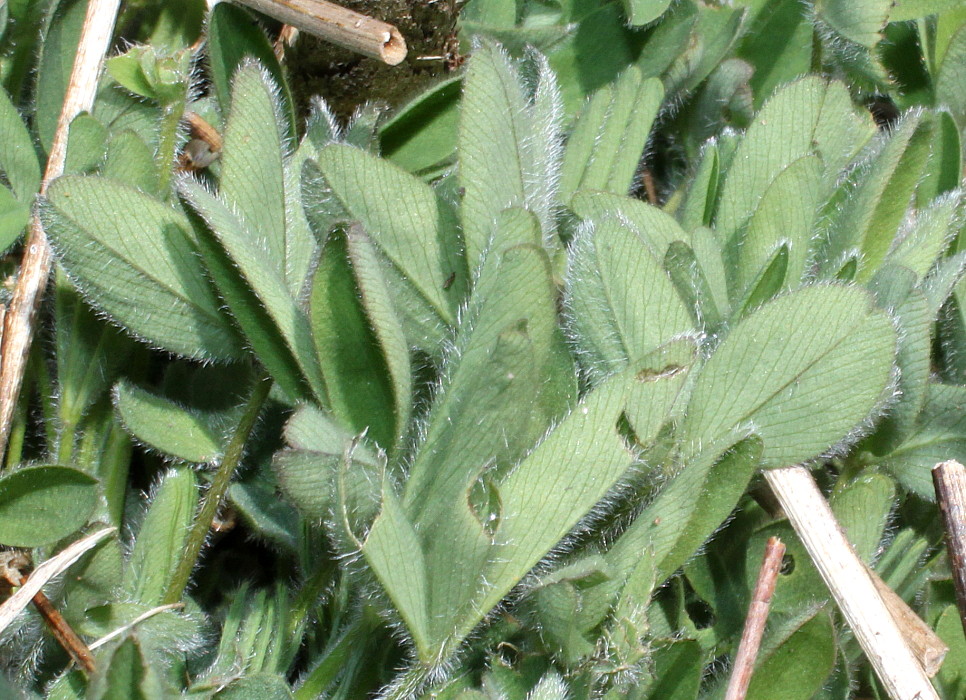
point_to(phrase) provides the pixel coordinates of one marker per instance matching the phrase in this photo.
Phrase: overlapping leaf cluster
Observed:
(518, 400)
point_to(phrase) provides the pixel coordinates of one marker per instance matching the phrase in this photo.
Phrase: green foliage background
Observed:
(486, 377)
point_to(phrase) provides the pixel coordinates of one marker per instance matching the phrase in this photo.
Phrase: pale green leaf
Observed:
(624, 304)
(940, 434)
(160, 540)
(949, 87)
(944, 167)
(861, 21)
(399, 213)
(795, 353)
(508, 343)
(14, 217)
(688, 510)
(41, 505)
(265, 279)
(871, 216)
(395, 554)
(86, 142)
(904, 10)
(551, 687)
(863, 507)
(256, 686)
(504, 146)
(131, 161)
(136, 259)
(915, 322)
(166, 426)
(607, 142)
(252, 182)
(952, 674)
(579, 462)
(934, 226)
(654, 227)
(784, 216)
(803, 118)
(307, 472)
(641, 12)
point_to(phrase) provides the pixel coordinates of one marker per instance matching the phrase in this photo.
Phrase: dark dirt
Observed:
(347, 80)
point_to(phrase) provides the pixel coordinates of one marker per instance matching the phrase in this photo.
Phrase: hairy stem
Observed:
(219, 485)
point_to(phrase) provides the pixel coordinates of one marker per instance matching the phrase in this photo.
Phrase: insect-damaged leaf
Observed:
(624, 303)
(137, 259)
(540, 501)
(498, 400)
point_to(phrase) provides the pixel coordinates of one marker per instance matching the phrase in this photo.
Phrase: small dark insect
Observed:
(449, 281)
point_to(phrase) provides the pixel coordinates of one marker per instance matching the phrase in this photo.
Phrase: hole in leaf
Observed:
(700, 613)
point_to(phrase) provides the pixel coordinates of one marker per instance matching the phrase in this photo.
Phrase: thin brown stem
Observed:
(755, 621)
(649, 188)
(847, 578)
(10, 571)
(334, 23)
(35, 267)
(949, 479)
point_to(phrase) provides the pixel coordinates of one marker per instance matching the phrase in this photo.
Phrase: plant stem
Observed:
(219, 485)
(755, 621)
(168, 143)
(854, 591)
(35, 267)
(949, 479)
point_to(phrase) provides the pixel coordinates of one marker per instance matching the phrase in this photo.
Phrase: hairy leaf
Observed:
(141, 268)
(41, 505)
(795, 353)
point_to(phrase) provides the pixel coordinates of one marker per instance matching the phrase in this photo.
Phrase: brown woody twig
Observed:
(949, 479)
(35, 267)
(755, 621)
(11, 566)
(30, 591)
(334, 23)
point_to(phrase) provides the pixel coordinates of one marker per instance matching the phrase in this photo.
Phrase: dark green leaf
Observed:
(41, 505)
